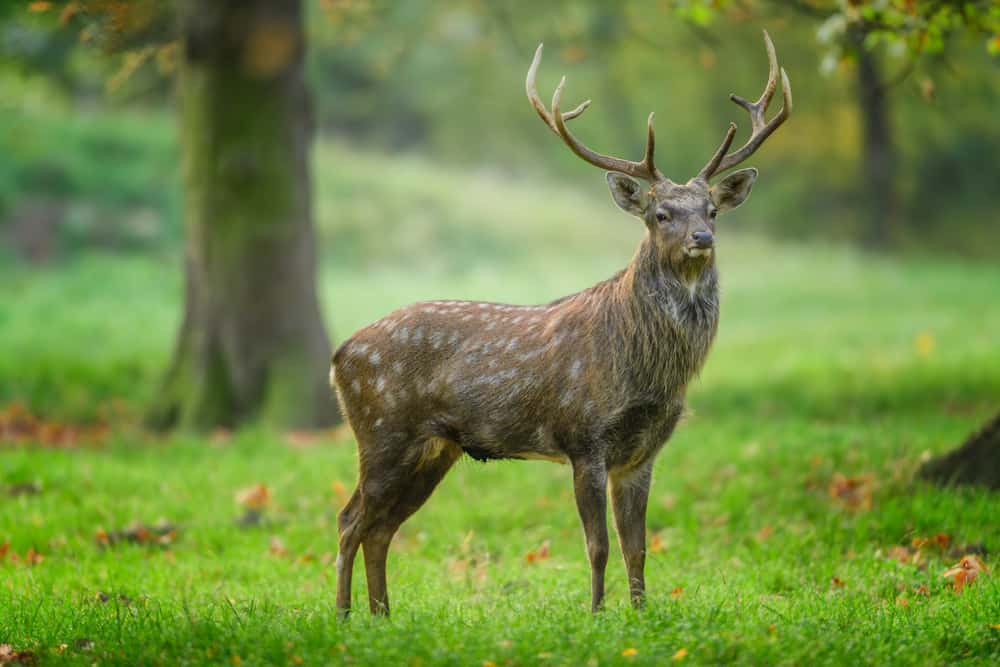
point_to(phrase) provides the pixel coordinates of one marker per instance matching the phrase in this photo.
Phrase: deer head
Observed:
(679, 217)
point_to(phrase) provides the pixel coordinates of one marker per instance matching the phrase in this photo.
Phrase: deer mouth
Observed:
(695, 251)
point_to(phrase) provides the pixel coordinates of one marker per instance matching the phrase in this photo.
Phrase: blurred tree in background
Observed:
(252, 343)
(893, 143)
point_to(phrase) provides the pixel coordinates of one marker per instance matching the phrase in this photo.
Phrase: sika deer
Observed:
(595, 379)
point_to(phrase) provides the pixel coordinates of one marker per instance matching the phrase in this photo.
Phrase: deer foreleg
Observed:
(590, 479)
(629, 495)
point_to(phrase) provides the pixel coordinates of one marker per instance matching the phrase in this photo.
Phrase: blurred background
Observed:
(430, 176)
(199, 200)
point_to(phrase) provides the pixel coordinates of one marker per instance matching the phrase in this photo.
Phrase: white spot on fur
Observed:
(512, 344)
(356, 386)
(397, 367)
(378, 423)
(437, 339)
(380, 383)
(375, 358)
(453, 338)
(574, 371)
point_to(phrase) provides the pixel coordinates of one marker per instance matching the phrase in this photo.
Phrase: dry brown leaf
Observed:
(255, 497)
(837, 582)
(10, 656)
(162, 533)
(340, 491)
(677, 592)
(680, 654)
(852, 493)
(539, 554)
(19, 426)
(277, 547)
(764, 533)
(965, 572)
(656, 544)
(629, 652)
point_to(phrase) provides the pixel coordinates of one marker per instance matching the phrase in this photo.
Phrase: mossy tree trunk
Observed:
(878, 170)
(975, 462)
(252, 345)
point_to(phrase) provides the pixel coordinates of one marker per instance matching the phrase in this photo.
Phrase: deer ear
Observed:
(733, 190)
(627, 193)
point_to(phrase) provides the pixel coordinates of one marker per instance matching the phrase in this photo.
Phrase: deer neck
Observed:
(664, 319)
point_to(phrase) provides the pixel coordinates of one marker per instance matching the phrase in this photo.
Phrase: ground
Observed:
(782, 521)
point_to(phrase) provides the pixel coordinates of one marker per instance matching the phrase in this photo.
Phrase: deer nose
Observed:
(702, 239)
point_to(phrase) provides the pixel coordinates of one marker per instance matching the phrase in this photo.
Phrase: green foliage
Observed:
(113, 177)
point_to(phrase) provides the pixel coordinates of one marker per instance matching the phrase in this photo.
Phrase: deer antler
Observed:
(556, 120)
(761, 129)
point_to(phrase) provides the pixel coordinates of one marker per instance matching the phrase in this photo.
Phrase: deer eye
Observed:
(712, 213)
(662, 215)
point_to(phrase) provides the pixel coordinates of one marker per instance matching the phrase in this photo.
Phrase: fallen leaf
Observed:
(629, 652)
(255, 497)
(19, 426)
(852, 493)
(680, 654)
(764, 533)
(340, 491)
(277, 547)
(162, 533)
(656, 544)
(837, 582)
(995, 626)
(539, 554)
(677, 592)
(965, 572)
(10, 656)
(489, 663)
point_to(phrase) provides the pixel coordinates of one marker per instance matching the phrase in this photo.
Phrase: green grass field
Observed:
(828, 361)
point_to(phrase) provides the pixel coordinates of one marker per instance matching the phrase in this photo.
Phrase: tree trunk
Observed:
(975, 462)
(252, 344)
(877, 171)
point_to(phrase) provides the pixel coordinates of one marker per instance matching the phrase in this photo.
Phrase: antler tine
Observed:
(556, 120)
(713, 164)
(532, 90)
(761, 129)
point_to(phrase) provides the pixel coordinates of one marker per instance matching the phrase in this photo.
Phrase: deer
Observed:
(596, 379)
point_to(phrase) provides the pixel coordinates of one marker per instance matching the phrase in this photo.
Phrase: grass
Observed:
(828, 361)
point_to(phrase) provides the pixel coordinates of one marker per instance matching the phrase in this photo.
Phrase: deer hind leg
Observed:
(350, 529)
(415, 484)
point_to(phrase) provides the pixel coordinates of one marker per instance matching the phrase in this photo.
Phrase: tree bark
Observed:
(252, 344)
(975, 462)
(878, 173)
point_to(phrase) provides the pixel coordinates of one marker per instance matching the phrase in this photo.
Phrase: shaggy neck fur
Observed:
(659, 320)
